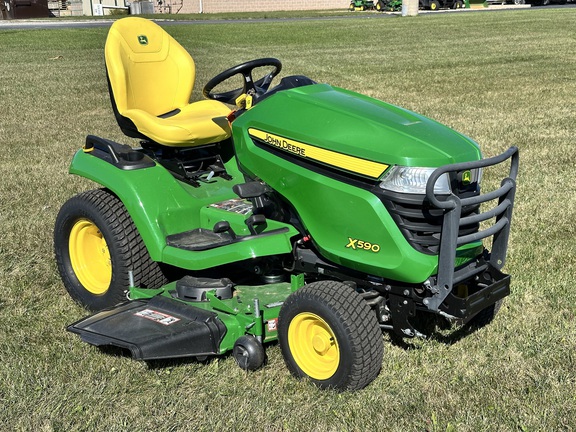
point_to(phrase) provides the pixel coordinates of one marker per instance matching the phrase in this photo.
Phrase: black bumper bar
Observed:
(496, 286)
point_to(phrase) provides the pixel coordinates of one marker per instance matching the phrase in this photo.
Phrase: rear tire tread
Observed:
(123, 237)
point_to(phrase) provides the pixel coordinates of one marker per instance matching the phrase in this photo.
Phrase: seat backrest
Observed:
(147, 68)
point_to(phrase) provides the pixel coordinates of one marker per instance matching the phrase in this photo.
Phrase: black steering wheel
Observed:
(250, 87)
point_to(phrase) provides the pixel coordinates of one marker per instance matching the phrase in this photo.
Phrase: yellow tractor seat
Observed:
(151, 78)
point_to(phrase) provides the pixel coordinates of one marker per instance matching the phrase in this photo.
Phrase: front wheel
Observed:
(485, 316)
(96, 244)
(329, 334)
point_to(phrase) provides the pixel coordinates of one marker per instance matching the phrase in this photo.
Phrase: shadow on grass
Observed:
(156, 364)
(456, 335)
(118, 352)
(435, 328)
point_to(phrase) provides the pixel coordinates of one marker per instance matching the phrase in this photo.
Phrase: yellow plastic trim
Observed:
(338, 160)
(89, 257)
(241, 100)
(248, 102)
(314, 346)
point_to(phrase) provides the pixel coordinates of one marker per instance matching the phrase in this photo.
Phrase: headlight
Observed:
(412, 180)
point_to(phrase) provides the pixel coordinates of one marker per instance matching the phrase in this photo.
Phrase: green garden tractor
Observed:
(388, 5)
(361, 5)
(305, 214)
(440, 4)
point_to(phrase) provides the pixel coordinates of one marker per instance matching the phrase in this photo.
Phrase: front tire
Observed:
(485, 316)
(329, 334)
(96, 244)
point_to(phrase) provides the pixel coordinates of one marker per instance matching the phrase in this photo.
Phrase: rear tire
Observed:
(329, 334)
(96, 244)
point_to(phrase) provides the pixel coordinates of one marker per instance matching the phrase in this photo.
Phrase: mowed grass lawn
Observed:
(503, 78)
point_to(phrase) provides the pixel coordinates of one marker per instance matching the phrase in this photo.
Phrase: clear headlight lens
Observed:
(412, 180)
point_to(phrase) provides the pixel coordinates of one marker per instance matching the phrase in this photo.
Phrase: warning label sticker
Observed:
(158, 317)
(235, 205)
(273, 324)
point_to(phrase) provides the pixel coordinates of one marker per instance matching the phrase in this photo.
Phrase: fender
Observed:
(159, 204)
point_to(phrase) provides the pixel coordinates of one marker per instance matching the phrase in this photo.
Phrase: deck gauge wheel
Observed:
(248, 353)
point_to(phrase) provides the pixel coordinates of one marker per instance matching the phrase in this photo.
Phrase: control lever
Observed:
(253, 189)
(254, 221)
(224, 226)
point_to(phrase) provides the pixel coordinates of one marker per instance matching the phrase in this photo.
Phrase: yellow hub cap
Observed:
(313, 346)
(90, 257)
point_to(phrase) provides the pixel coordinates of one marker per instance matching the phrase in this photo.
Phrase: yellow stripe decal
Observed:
(338, 160)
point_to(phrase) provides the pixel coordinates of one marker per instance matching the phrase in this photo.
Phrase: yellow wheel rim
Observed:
(90, 257)
(313, 346)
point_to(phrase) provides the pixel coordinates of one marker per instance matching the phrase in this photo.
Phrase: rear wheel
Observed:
(96, 244)
(330, 335)
(434, 5)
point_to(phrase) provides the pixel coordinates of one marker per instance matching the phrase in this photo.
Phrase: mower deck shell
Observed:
(156, 325)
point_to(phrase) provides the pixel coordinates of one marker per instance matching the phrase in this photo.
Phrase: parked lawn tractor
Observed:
(388, 5)
(440, 4)
(361, 5)
(308, 214)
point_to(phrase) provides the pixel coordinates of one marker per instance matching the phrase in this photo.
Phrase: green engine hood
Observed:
(353, 124)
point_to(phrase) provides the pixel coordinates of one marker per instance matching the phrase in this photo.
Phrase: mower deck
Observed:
(154, 329)
(189, 318)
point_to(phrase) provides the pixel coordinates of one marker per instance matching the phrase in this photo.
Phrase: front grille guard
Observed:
(447, 276)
